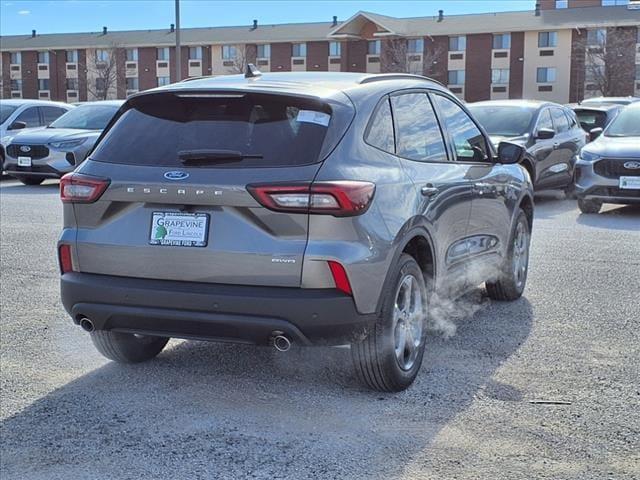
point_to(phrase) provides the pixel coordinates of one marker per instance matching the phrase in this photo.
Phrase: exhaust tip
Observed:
(281, 343)
(86, 324)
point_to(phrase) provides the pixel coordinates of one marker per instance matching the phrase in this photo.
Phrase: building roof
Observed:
(585, 17)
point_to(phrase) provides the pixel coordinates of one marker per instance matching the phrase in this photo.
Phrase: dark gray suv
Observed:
(307, 208)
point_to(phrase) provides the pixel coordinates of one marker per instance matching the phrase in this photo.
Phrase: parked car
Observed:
(594, 119)
(18, 115)
(608, 169)
(283, 209)
(549, 132)
(609, 100)
(57, 149)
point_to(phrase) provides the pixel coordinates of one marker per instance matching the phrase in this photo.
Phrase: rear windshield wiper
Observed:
(194, 157)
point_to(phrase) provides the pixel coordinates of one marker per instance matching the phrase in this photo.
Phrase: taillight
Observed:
(344, 198)
(340, 277)
(80, 188)
(64, 259)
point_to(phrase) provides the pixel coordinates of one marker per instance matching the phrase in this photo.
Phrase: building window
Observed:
(457, 44)
(43, 84)
(456, 77)
(102, 56)
(501, 41)
(299, 50)
(72, 56)
(72, 84)
(562, 3)
(16, 85)
(43, 57)
(16, 58)
(132, 54)
(373, 47)
(264, 51)
(162, 53)
(500, 76)
(132, 83)
(195, 53)
(335, 49)
(546, 75)
(415, 45)
(613, 3)
(163, 81)
(594, 73)
(596, 37)
(228, 52)
(547, 39)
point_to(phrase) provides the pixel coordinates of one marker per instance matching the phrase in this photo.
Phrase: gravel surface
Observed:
(201, 410)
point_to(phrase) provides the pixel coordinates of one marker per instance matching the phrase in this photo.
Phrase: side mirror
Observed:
(510, 153)
(17, 125)
(595, 133)
(545, 134)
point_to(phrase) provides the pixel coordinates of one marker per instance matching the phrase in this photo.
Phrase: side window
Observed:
(559, 120)
(468, 140)
(544, 120)
(30, 116)
(51, 113)
(380, 134)
(417, 131)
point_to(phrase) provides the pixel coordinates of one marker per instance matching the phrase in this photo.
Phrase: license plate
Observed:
(630, 183)
(178, 229)
(24, 161)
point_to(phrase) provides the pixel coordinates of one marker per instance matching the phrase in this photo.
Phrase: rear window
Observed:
(590, 119)
(261, 130)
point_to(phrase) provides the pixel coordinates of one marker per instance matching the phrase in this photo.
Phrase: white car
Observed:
(16, 115)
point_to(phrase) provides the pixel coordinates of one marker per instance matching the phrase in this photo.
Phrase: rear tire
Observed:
(389, 358)
(31, 180)
(589, 206)
(513, 275)
(127, 347)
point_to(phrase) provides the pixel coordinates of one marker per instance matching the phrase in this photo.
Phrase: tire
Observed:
(512, 277)
(589, 206)
(570, 191)
(127, 347)
(31, 180)
(389, 357)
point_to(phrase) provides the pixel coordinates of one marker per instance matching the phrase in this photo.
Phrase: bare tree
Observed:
(104, 72)
(609, 61)
(397, 58)
(244, 54)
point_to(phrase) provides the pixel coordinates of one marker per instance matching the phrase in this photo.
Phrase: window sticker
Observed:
(310, 116)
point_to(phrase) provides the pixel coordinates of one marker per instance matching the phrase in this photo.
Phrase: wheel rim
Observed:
(520, 254)
(408, 321)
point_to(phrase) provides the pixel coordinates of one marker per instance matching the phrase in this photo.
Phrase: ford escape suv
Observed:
(306, 208)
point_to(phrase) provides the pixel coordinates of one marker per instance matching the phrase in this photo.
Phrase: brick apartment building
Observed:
(540, 54)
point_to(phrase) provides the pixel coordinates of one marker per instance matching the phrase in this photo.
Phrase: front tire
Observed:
(589, 206)
(127, 347)
(513, 275)
(389, 358)
(31, 180)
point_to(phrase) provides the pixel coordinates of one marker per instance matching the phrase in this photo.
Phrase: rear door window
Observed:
(418, 135)
(380, 132)
(469, 142)
(223, 130)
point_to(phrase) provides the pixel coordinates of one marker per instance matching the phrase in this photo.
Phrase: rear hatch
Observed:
(177, 205)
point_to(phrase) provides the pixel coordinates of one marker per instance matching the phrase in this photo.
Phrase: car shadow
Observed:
(625, 217)
(550, 203)
(46, 188)
(201, 408)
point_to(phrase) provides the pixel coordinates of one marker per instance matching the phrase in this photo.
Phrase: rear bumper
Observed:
(244, 314)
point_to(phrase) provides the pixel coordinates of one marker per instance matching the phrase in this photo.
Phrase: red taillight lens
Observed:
(64, 258)
(344, 198)
(80, 188)
(340, 277)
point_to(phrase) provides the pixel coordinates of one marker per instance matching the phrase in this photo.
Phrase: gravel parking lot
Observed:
(543, 388)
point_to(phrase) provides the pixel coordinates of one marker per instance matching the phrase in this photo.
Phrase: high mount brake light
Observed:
(80, 188)
(343, 198)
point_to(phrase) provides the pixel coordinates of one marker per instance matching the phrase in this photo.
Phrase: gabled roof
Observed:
(352, 27)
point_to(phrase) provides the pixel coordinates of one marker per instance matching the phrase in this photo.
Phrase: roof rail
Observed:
(189, 79)
(377, 77)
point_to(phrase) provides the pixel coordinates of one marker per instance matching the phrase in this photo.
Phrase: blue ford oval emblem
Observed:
(25, 148)
(176, 175)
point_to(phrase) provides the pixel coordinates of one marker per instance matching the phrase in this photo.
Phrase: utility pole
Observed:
(178, 49)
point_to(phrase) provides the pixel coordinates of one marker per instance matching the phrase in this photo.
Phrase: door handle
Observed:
(556, 145)
(429, 190)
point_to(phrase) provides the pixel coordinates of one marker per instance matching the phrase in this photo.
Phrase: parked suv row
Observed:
(291, 208)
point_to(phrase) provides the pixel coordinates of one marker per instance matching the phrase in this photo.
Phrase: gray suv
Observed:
(307, 208)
